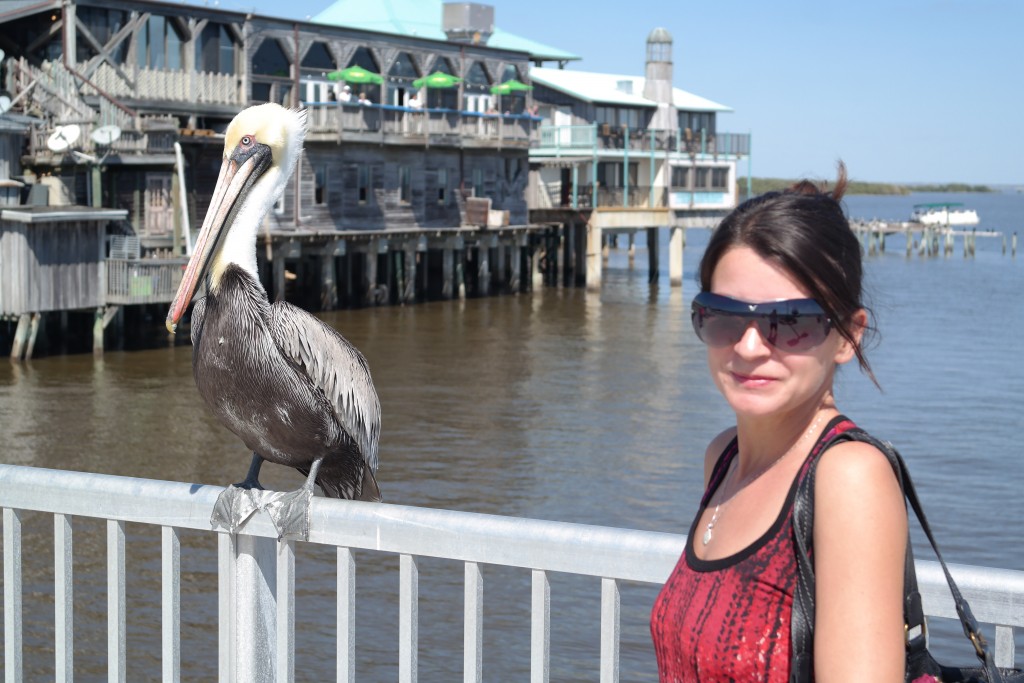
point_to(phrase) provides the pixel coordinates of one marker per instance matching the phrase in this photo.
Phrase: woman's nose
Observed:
(752, 342)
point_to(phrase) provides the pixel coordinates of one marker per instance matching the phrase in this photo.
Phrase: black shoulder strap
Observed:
(802, 624)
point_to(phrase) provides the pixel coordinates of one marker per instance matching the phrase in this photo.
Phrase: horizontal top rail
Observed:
(996, 595)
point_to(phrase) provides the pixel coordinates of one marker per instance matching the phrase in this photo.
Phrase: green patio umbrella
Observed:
(438, 79)
(355, 74)
(510, 86)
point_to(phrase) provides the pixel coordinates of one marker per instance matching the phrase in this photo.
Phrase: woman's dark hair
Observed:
(804, 231)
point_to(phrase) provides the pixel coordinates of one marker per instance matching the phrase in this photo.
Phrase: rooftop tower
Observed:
(658, 83)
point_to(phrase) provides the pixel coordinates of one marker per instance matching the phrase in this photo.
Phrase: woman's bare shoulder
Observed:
(714, 450)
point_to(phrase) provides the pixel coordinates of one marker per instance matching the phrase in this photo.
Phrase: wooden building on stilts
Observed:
(405, 192)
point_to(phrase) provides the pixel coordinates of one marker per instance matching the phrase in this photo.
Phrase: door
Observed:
(159, 207)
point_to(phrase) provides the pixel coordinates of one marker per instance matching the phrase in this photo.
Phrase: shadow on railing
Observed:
(256, 572)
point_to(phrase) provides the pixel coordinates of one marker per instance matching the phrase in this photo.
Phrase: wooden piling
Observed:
(652, 255)
(447, 271)
(675, 256)
(32, 333)
(515, 281)
(409, 292)
(20, 336)
(483, 267)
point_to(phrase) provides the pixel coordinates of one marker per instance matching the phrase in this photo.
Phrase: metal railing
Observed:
(256, 573)
(143, 281)
(595, 137)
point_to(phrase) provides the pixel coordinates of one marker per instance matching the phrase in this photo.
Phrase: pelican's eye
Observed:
(246, 141)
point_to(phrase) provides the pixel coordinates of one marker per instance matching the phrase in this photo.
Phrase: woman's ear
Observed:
(846, 350)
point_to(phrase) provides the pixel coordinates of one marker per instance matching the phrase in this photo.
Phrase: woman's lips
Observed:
(751, 380)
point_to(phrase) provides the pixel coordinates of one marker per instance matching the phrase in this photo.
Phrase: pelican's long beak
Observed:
(237, 175)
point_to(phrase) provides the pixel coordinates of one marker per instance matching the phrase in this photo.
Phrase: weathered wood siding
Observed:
(380, 206)
(50, 266)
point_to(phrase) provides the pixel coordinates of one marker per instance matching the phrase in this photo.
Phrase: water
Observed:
(562, 404)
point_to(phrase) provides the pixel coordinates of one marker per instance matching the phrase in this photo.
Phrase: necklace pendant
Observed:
(707, 537)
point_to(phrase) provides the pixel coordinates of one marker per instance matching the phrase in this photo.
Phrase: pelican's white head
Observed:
(261, 146)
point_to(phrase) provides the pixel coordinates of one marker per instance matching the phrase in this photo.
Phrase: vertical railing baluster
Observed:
(225, 608)
(12, 597)
(285, 611)
(408, 619)
(170, 570)
(540, 628)
(474, 625)
(115, 602)
(1005, 653)
(63, 598)
(610, 605)
(346, 616)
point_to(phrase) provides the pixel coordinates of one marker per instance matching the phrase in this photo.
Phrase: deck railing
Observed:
(594, 138)
(428, 126)
(143, 281)
(256, 573)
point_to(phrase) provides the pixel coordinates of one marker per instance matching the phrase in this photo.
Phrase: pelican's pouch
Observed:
(921, 667)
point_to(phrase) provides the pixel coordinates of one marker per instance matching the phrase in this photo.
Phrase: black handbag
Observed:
(919, 661)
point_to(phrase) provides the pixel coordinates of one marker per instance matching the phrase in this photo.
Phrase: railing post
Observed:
(116, 657)
(12, 597)
(63, 600)
(540, 628)
(254, 613)
(625, 166)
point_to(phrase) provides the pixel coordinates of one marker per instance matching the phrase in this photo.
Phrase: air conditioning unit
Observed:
(468, 22)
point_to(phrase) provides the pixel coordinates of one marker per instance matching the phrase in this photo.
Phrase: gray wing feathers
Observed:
(196, 321)
(336, 367)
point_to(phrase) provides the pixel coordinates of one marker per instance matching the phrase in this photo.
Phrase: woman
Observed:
(779, 310)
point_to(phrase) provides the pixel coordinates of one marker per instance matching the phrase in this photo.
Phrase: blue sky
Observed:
(901, 90)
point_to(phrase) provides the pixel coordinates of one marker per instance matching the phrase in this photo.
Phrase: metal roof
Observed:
(422, 19)
(16, 9)
(616, 89)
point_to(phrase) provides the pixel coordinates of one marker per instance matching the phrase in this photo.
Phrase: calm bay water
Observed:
(562, 404)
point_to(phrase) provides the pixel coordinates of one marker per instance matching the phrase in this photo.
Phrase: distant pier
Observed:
(926, 240)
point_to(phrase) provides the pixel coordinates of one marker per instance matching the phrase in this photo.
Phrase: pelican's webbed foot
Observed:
(290, 512)
(237, 503)
(233, 508)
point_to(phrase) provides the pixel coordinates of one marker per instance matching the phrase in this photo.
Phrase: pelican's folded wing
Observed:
(336, 367)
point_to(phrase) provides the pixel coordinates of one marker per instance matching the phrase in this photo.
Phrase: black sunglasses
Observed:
(793, 325)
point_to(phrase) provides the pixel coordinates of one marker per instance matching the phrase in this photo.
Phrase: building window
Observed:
(478, 182)
(404, 184)
(215, 50)
(363, 183)
(320, 187)
(442, 186)
(270, 60)
(703, 174)
(159, 44)
(719, 178)
(680, 176)
(103, 24)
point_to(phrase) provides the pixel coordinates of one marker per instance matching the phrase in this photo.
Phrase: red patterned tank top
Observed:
(729, 619)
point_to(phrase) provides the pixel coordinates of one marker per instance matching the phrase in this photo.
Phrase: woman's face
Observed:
(756, 378)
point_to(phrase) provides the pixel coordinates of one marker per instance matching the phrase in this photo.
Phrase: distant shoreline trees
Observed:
(762, 185)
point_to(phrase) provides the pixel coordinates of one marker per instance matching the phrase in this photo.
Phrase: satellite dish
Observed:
(5, 103)
(106, 135)
(63, 137)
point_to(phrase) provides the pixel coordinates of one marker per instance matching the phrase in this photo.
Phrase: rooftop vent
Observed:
(468, 22)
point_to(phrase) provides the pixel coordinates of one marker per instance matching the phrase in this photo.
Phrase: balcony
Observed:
(557, 141)
(387, 124)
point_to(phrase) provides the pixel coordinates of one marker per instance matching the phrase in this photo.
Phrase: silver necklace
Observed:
(708, 532)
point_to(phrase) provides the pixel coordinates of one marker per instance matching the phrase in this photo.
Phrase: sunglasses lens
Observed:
(715, 328)
(721, 321)
(800, 332)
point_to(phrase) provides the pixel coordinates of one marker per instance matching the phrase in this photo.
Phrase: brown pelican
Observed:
(290, 387)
